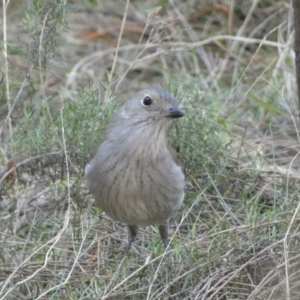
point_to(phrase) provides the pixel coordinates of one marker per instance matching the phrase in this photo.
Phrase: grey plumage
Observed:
(133, 176)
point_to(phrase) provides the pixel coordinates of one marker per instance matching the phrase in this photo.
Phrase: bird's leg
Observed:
(132, 232)
(164, 233)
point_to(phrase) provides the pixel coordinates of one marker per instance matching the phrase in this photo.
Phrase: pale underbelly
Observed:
(142, 211)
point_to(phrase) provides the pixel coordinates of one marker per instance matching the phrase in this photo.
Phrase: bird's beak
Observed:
(174, 112)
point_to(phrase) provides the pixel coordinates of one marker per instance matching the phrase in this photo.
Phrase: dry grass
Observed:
(64, 69)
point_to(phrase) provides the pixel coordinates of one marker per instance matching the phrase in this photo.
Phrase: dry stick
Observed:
(296, 6)
(28, 74)
(193, 36)
(244, 25)
(285, 240)
(24, 162)
(7, 119)
(7, 89)
(130, 66)
(182, 46)
(235, 272)
(266, 281)
(165, 252)
(231, 49)
(117, 48)
(68, 213)
(40, 50)
(137, 56)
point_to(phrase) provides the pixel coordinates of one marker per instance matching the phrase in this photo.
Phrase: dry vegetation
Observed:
(64, 68)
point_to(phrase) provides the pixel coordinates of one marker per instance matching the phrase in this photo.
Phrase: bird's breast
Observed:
(140, 189)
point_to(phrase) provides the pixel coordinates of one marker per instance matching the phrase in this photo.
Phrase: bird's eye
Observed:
(146, 101)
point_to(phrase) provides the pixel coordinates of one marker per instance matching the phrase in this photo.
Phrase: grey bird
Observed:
(133, 176)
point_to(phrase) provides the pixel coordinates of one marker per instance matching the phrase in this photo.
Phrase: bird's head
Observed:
(153, 105)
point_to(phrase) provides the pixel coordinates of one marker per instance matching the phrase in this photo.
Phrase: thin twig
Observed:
(7, 88)
(117, 49)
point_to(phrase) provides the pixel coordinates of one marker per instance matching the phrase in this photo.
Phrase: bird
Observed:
(134, 177)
